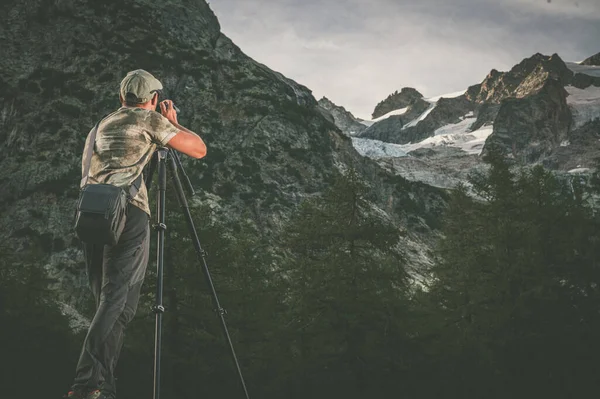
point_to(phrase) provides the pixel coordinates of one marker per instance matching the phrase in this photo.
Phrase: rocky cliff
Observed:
(532, 126)
(269, 144)
(342, 118)
(523, 79)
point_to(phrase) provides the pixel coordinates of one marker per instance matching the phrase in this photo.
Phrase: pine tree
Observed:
(347, 292)
(512, 277)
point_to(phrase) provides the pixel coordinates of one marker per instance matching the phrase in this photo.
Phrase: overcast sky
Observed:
(357, 52)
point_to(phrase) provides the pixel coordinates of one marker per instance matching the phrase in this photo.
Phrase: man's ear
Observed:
(155, 100)
(121, 98)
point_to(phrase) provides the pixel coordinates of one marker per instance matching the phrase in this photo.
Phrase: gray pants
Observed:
(116, 274)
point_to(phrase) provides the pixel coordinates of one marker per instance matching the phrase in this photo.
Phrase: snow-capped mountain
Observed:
(543, 110)
(397, 100)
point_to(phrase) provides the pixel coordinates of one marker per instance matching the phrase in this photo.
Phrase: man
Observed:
(125, 142)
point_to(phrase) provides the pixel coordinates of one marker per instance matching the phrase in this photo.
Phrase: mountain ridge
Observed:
(529, 112)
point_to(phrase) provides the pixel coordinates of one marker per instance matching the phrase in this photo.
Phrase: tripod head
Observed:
(178, 170)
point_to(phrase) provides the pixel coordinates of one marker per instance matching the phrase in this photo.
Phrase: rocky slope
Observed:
(343, 119)
(269, 143)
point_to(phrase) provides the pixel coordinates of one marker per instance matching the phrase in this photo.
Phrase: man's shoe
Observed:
(75, 394)
(98, 394)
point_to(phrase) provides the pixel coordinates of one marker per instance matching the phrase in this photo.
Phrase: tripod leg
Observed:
(202, 256)
(158, 308)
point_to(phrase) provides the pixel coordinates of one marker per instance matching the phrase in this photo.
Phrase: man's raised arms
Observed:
(185, 140)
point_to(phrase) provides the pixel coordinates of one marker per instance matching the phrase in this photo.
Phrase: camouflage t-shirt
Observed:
(125, 142)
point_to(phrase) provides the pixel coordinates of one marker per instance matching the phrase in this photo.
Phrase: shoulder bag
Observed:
(101, 208)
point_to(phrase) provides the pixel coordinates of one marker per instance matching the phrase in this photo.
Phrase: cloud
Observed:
(356, 52)
(585, 9)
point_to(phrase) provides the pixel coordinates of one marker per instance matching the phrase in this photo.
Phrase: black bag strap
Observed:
(89, 150)
(135, 187)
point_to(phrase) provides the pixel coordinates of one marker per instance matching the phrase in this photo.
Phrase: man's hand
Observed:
(168, 111)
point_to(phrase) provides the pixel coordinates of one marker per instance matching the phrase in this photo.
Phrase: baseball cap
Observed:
(139, 86)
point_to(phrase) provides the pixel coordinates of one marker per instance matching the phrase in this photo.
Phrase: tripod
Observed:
(167, 158)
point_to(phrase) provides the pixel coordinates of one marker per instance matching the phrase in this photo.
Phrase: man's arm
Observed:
(185, 140)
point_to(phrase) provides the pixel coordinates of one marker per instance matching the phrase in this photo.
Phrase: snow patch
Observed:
(448, 95)
(421, 117)
(460, 127)
(456, 136)
(376, 148)
(585, 104)
(433, 102)
(401, 111)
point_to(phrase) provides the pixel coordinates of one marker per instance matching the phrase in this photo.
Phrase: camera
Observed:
(161, 97)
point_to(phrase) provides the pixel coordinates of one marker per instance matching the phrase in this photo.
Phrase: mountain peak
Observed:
(325, 100)
(407, 96)
(594, 60)
(553, 64)
(525, 78)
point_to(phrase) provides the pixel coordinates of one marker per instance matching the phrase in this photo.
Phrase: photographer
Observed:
(125, 142)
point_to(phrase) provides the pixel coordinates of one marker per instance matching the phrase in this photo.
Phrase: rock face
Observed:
(593, 60)
(532, 127)
(523, 79)
(343, 119)
(394, 101)
(581, 151)
(269, 143)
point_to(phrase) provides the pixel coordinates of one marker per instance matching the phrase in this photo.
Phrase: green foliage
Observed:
(35, 339)
(516, 286)
(346, 294)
